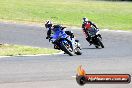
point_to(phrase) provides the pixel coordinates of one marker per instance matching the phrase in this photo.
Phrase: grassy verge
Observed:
(14, 50)
(112, 15)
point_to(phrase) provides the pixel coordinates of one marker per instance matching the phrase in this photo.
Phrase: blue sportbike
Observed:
(64, 42)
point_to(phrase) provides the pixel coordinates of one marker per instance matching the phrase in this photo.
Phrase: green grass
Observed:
(14, 50)
(112, 15)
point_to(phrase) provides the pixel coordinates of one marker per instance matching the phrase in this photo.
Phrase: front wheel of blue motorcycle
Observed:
(78, 52)
(67, 49)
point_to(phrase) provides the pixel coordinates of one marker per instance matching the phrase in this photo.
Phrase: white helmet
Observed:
(85, 19)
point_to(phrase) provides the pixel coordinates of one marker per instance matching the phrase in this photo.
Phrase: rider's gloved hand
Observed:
(50, 39)
(97, 29)
(47, 37)
(100, 36)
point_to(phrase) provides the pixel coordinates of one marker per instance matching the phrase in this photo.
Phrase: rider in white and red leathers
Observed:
(88, 25)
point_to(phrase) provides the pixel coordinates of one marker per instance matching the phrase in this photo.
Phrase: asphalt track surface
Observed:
(56, 71)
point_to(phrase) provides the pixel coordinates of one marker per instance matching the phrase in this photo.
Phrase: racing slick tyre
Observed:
(78, 52)
(67, 49)
(100, 43)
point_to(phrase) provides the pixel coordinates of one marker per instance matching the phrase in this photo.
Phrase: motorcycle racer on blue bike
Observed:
(54, 32)
(51, 28)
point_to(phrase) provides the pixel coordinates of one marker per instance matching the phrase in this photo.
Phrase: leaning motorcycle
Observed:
(63, 42)
(95, 38)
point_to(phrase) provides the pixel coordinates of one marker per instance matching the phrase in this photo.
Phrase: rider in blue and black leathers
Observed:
(57, 30)
(51, 28)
